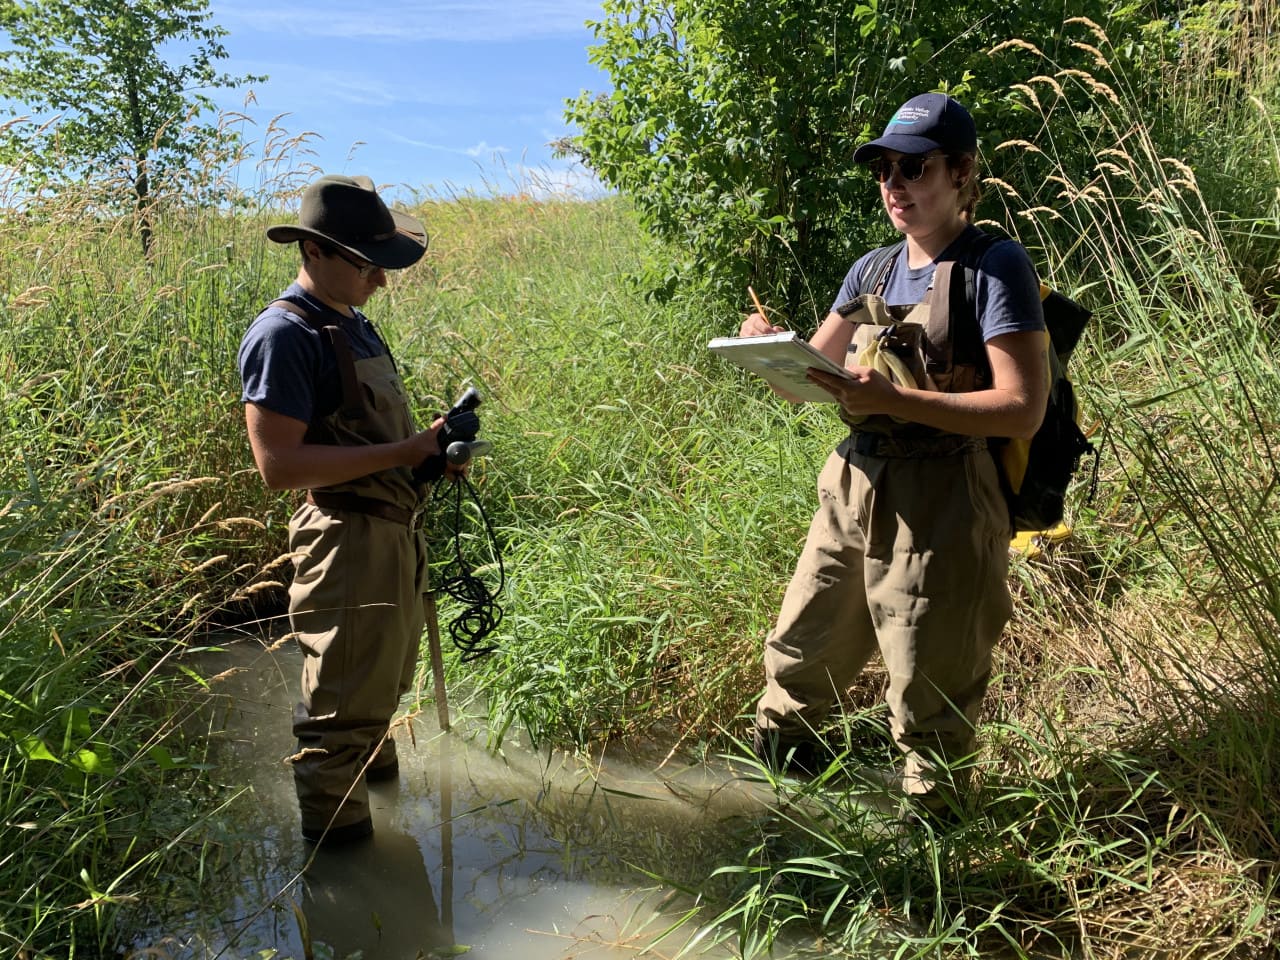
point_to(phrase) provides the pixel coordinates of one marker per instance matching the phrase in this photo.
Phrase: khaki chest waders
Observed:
(355, 405)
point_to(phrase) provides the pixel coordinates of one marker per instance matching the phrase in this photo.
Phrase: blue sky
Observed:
(437, 95)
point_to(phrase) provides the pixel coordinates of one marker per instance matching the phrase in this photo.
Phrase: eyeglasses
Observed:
(363, 268)
(911, 167)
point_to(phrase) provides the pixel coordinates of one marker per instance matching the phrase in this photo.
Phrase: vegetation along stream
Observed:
(650, 501)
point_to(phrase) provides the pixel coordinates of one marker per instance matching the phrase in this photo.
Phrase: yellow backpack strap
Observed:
(353, 404)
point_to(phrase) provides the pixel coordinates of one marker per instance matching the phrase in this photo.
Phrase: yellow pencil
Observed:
(756, 301)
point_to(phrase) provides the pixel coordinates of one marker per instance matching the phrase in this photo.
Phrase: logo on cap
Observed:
(909, 115)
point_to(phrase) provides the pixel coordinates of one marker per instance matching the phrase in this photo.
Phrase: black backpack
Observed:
(1035, 473)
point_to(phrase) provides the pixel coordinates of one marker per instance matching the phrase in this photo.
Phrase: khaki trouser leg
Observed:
(936, 582)
(356, 606)
(909, 555)
(824, 635)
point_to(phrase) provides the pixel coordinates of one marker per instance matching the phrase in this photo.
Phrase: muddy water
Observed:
(521, 854)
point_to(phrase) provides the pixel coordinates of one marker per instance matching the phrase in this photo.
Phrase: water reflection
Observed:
(523, 854)
(374, 896)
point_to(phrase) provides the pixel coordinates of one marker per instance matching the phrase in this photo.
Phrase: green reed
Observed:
(121, 532)
(650, 502)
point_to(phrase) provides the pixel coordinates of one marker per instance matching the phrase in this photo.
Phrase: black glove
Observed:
(461, 424)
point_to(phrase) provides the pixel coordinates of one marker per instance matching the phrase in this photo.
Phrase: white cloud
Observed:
(574, 182)
(481, 149)
(526, 180)
(414, 21)
(292, 83)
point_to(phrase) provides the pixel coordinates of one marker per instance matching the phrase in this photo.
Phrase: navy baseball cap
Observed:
(931, 121)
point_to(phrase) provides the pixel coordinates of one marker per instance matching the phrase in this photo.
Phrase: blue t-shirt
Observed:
(288, 366)
(1006, 289)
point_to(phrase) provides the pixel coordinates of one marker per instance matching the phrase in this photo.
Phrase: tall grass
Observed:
(127, 520)
(650, 502)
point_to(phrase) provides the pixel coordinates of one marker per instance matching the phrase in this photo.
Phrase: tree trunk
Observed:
(141, 187)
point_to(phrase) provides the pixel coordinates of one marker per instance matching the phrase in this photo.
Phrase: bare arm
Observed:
(833, 337)
(287, 462)
(1012, 407)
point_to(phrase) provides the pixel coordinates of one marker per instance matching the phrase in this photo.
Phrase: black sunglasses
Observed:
(364, 269)
(911, 167)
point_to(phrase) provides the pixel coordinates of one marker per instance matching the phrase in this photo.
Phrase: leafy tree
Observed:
(732, 123)
(126, 77)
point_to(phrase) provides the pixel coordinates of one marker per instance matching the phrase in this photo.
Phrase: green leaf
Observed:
(33, 748)
(88, 761)
(161, 757)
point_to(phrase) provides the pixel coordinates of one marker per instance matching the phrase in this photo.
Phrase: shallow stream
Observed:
(518, 854)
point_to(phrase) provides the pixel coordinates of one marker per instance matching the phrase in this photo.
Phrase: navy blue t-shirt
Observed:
(288, 366)
(1006, 289)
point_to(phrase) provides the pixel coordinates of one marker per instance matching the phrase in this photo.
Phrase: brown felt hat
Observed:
(348, 213)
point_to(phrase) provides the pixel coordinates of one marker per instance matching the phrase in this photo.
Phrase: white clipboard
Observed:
(782, 359)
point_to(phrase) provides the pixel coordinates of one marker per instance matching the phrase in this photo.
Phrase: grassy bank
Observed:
(651, 503)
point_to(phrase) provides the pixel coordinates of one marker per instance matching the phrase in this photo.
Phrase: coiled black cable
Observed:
(481, 614)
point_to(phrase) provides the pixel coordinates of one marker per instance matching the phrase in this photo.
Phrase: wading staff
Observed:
(437, 657)
(446, 839)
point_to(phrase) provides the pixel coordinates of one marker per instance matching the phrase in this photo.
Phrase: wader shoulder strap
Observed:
(954, 331)
(353, 405)
(954, 322)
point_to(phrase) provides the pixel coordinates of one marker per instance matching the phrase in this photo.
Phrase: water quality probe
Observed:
(481, 614)
(457, 439)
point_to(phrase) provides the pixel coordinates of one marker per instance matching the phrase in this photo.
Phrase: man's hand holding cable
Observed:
(423, 444)
(287, 461)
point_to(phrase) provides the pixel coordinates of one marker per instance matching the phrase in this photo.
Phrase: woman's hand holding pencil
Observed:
(757, 324)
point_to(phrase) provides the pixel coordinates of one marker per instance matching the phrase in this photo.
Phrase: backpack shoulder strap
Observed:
(972, 259)
(962, 301)
(875, 272)
(353, 405)
(872, 278)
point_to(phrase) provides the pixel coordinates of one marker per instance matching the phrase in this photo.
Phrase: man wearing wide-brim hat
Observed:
(327, 413)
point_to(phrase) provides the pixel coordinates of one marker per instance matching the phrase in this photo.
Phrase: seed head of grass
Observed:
(1015, 44)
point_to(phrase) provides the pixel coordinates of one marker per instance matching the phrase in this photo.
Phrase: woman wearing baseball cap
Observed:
(908, 551)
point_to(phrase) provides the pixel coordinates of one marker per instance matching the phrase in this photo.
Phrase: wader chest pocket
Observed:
(384, 392)
(905, 340)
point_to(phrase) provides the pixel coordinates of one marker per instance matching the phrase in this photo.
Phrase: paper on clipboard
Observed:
(781, 359)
